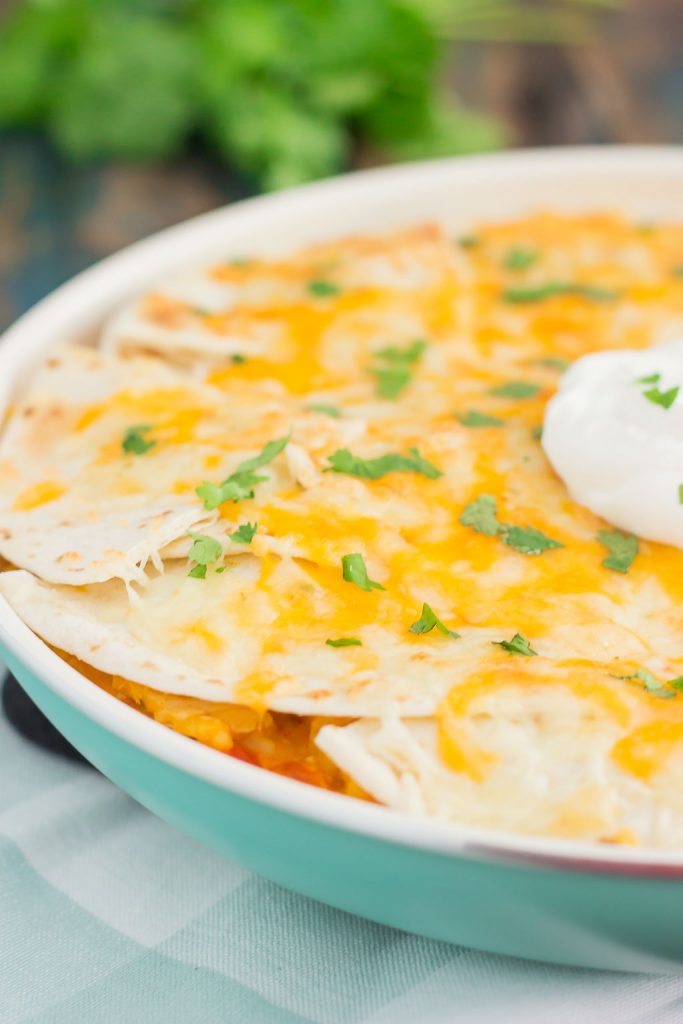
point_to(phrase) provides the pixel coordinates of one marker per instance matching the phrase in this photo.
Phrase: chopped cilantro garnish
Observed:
(428, 621)
(344, 461)
(653, 378)
(322, 289)
(664, 398)
(622, 547)
(554, 363)
(536, 293)
(468, 241)
(537, 432)
(665, 691)
(680, 494)
(516, 389)
(238, 359)
(518, 645)
(204, 551)
(482, 516)
(325, 410)
(528, 540)
(134, 443)
(354, 571)
(240, 484)
(244, 534)
(396, 368)
(472, 418)
(519, 259)
(345, 641)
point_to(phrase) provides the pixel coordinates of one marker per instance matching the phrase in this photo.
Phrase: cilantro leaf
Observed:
(428, 621)
(536, 293)
(270, 451)
(244, 534)
(355, 571)
(482, 515)
(518, 645)
(663, 691)
(528, 540)
(472, 418)
(344, 461)
(134, 443)
(653, 378)
(325, 410)
(240, 484)
(519, 259)
(322, 289)
(396, 368)
(622, 548)
(680, 494)
(664, 398)
(345, 641)
(204, 551)
(238, 359)
(554, 363)
(537, 432)
(468, 241)
(516, 389)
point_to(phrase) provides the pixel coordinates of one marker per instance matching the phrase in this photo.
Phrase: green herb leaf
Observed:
(528, 540)
(680, 494)
(468, 241)
(204, 551)
(518, 645)
(238, 359)
(344, 461)
(345, 641)
(663, 691)
(664, 398)
(323, 289)
(394, 376)
(325, 410)
(516, 389)
(622, 547)
(537, 293)
(244, 534)
(134, 443)
(472, 418)
(654, 378)
(554, 363)
(482, 515)
(270, 451)
(355, 571)
(428, 621)
(537, 432)
(240, 485)
(519, 259)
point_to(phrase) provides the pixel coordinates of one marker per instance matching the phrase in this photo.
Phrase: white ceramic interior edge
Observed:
(490, 187)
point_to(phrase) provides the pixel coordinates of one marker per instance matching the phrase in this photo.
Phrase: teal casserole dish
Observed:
(563, 901)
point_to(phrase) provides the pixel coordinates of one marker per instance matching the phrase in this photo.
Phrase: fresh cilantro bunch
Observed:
(283, 89)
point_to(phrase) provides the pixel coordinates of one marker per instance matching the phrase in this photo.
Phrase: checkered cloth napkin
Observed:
(109, 915)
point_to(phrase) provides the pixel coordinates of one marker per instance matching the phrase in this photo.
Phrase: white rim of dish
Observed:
(77, 305)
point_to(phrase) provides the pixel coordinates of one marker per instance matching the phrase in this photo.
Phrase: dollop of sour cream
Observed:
(614, 434)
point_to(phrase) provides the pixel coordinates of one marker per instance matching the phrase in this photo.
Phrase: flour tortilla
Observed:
(190, 637)
(64, 543)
